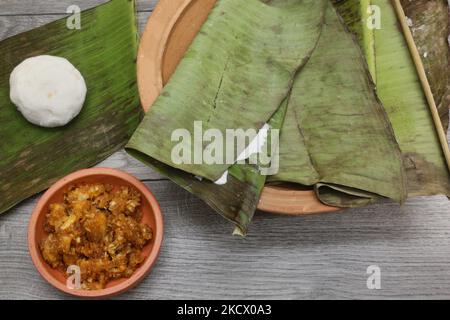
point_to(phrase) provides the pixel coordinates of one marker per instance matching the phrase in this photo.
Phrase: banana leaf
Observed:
(104, 50)
(292, 64)
(243, 62)
(401, 93)
(337, 136)
(237, 200)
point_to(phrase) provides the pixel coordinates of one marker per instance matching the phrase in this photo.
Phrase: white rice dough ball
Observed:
(49, 91)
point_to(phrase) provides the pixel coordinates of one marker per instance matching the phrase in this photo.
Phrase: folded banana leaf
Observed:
(104, 50)
(401, 93)
(290, 64)
(337, 136)
(237, 74)
(243, 62)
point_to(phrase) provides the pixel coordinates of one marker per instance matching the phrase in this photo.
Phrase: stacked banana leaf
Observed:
(295, 66)
(104, 50)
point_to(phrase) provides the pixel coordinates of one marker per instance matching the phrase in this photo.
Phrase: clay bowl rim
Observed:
(138, 275)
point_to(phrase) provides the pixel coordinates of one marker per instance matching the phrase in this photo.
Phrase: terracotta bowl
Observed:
(168, 34)
(151, 213)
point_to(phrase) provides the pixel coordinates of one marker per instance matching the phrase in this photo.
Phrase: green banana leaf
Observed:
(291, 64)
(104, 50)
(237, 74)
(238, 199)
(242, 62)
(337, 136)
(401, 93)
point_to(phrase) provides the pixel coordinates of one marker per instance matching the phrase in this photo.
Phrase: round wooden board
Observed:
(169, 32)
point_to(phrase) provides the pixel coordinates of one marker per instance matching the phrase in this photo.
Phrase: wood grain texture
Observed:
(323, 256)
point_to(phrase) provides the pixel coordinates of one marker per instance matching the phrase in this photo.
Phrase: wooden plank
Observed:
(323, 256)
(33, 7)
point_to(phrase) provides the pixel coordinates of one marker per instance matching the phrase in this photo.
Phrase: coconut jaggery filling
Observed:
(98, 229)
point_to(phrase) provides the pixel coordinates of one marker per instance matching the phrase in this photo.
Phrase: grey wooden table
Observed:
(322, 256)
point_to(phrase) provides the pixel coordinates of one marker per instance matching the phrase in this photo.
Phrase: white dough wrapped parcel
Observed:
(49, 91)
